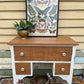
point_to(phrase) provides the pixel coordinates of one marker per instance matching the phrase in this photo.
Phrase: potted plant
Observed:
(23, 27)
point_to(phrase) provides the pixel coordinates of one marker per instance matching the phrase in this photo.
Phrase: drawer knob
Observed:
(22, 69)
(21, 54)
(63, 54)
(62, 69)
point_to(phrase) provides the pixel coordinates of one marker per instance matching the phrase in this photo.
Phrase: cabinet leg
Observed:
(67, 78)
(17, 79)
(69, 81)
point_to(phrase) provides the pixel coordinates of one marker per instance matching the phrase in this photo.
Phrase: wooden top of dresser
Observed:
(43, 41)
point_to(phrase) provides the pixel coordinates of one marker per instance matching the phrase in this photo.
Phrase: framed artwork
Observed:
(45, 16)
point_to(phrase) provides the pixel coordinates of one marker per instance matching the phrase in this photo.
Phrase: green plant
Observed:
(22, 25)
(31, 24)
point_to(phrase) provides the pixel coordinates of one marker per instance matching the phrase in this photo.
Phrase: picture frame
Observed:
(45, 14)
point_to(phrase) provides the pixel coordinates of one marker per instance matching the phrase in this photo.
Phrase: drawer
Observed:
(42, 53)
(62, 68)
(23, 68)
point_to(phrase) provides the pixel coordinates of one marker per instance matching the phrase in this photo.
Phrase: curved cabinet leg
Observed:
(18, 77)
(67, 78)
(15, 80)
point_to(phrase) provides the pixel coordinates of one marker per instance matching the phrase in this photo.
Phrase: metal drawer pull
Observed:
(63, 54)
(62, 69)
(21, 54)
(22, 69)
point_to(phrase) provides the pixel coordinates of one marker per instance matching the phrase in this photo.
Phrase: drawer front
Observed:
(42, 53)
(62, 68)
(23, 68)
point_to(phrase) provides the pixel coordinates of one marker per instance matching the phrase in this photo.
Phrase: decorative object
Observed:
(43, 50)
(41, 80)
(24, 27)
(45, 15)
(23, 33)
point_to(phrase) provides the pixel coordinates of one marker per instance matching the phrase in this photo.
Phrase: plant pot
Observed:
(23, 33)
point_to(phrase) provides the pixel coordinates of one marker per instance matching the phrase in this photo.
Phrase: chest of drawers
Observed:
(59, 51)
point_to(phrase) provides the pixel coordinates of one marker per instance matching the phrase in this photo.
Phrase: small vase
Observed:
(23, 34)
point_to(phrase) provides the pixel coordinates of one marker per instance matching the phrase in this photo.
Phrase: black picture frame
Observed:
(56, 35)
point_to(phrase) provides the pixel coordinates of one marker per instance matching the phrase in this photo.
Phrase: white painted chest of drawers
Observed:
(60, 51)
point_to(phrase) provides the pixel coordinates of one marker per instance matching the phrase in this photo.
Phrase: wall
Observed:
(71, 20)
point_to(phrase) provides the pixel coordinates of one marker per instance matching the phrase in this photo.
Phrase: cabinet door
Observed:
(62, 68)
(23, 68)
